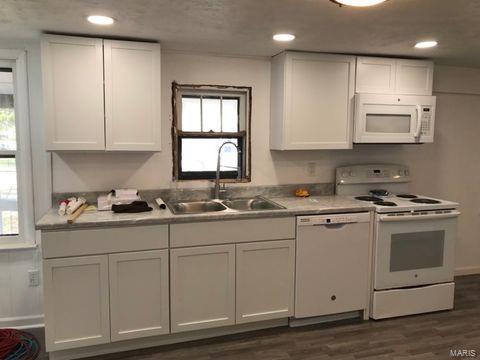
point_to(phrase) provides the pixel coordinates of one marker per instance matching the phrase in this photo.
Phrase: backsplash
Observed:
(319, 189)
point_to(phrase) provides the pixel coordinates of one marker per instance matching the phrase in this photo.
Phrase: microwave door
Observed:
(387, 124)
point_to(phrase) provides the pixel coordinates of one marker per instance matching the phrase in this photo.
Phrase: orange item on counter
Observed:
(302, 193)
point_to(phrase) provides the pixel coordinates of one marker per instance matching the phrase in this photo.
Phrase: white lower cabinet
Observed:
(139, 294)
(265, 280)
(76, 302)
(202, 287)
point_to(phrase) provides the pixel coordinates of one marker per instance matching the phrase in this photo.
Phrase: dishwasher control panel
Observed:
(332, 219)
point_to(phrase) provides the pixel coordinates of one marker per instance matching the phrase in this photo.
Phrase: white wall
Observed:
(19, 303)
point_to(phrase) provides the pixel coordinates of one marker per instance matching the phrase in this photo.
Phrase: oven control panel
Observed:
(362, 174)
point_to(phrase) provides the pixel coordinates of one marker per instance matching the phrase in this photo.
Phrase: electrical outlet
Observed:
(311, 169)
(33, 278)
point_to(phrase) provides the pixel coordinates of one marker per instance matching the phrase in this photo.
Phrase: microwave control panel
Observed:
(426, 118)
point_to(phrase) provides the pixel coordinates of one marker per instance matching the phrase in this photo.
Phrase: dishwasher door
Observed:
(332, 264)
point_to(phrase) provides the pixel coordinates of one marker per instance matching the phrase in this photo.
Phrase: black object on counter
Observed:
(133, 207)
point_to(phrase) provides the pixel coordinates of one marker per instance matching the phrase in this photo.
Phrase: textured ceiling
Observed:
(245, 27)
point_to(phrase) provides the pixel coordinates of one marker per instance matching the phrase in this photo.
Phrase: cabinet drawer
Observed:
(103, 241)
(232, 231)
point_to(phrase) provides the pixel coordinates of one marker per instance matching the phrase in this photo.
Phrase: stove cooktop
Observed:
(406, 202)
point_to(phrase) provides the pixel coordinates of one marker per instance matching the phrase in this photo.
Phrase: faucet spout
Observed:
(217, 174)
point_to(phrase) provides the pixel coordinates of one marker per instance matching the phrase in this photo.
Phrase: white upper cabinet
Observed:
(132, 95)
(73, 93)
(101, 94)
(394, 76)
(414, 77)
(311, 101)
(375, 75)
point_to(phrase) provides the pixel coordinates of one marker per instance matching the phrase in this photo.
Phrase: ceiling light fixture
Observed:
(358, 3)
(283, 37)
(100, 20)
(426, 44)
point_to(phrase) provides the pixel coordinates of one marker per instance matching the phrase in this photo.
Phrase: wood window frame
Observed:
(243, 136)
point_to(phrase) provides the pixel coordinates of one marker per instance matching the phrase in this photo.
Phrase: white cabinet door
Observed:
(202, 287)
(265, 280)
(76, 302)
(132, 95)
(139, 294)
(72, 70)
(414, 77)
(375, 75)
(312, 101)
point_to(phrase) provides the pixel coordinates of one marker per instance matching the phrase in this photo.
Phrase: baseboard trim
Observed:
(127, 345)
(22, 322)
(467, 270)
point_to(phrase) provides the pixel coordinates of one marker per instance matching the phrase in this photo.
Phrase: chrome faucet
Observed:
(217, 174)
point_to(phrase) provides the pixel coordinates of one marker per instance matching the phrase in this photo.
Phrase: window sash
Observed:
(16, 60)
(209, 175)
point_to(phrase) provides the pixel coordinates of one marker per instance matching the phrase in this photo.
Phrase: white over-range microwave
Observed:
(402, 119)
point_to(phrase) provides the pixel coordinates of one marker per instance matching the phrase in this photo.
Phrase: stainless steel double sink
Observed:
(257, 203)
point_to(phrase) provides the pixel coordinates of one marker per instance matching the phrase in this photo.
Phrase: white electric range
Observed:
(414, 241)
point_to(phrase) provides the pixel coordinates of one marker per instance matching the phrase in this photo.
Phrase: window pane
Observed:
(191, 120)
(211, 114)
(230, 115)
(201, 155)
(8, 197)
(7, 113)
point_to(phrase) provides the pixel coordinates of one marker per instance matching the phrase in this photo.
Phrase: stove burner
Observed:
(425, 201)
(368, 198)
(379, 192)
(407, 196)
(385, 203)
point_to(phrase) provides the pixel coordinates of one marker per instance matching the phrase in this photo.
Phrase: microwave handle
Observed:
(419, 123)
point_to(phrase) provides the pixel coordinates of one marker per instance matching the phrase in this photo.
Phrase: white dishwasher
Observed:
(332, 264)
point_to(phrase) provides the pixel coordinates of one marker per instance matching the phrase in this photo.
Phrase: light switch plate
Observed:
(33, 278)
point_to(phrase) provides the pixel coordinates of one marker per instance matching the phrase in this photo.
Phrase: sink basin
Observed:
(252, 204)
(195, 207)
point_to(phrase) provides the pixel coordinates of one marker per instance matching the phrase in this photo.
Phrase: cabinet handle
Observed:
(333, 298)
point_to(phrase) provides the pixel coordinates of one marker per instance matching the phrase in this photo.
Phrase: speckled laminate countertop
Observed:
(293, 206)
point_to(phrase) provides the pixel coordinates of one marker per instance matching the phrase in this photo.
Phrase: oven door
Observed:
(412, 250)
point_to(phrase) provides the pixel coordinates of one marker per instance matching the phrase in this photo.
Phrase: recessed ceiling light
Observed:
(100, 20)
(426, 44)
(359, 3)
(283, 37)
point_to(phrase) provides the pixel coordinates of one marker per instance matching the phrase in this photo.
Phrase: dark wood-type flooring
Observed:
(427, 336)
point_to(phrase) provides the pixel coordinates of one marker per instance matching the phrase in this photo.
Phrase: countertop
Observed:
(293, 206)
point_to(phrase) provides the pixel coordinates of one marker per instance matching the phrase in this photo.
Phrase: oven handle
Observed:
(386, 218)
(419, 123)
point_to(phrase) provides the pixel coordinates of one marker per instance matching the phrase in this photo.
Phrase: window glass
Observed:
(229, 115)
(191, 113)
(211, 114)
(200, 155)
(7, 123)
(8, 196)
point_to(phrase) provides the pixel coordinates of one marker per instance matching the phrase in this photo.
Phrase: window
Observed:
(204, 118)
(16, 198)
(8, 147)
